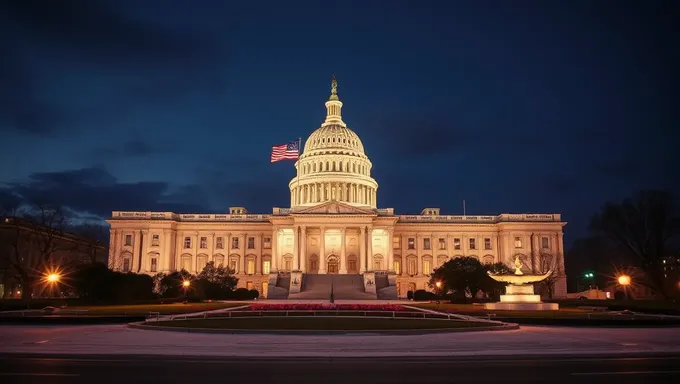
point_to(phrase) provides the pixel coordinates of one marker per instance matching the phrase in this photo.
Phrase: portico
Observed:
(332, 238)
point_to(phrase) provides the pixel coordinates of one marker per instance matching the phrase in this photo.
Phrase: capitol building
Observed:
(333, 234)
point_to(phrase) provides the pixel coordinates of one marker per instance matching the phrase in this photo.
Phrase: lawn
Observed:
(319, 324)
(144, 309)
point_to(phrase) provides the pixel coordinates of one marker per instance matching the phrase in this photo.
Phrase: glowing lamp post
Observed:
(185, 286)
(53, 278)
(624, 281)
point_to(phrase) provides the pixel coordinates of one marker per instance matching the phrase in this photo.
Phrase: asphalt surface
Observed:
(175, 369)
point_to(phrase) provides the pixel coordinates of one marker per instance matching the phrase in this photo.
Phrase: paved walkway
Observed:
(120, 339)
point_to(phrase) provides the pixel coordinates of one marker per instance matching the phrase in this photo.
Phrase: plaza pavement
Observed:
(528, 340)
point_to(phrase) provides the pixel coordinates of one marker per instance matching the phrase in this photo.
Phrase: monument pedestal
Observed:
(521, 298)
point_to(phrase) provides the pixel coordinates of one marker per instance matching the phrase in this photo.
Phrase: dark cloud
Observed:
(94, 192)
(95, 38)
(134, 148)
(420, 137)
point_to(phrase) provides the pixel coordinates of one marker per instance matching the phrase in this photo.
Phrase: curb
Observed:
(393, 332)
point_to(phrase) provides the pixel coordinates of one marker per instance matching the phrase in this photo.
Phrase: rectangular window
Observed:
(397, 267)
(266, 266)
(251, 267)
(128, 239)
(155, 239)
(249, 285)
(411, 243)
(545, 242)
(251, 243)
(426, 243)
(126, 265)
(427, 267)
(518, 242)
(187, 242)
(267, 243)
(442, 243)
(396, 242)
(154, 264)
(473, 243)
(232, 265)
(204, 242)
(234, 242)
(456, 243)
(219, 242)
(487, 243)
(186, 263)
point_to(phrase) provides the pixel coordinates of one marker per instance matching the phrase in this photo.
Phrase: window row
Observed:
(472, 243)
(203, 242)
(334, 166)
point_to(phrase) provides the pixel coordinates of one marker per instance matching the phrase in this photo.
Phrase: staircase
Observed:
(383, 289)
(345, 287)
(278, 286)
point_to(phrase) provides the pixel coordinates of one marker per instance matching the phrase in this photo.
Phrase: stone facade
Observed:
(333, 227)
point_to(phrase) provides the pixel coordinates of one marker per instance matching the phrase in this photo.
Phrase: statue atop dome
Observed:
(334, 88)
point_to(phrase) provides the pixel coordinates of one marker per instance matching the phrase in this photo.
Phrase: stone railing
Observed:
(385, 211)
(506, 217)
(186, 216)
(281, 211)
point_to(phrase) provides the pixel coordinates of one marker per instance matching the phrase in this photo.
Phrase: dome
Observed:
(333, 165)
(333, 137)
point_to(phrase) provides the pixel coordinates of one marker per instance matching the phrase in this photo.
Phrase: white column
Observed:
(275, 248)
(362, 250)
(296, 247)
(390, 250)
(322, 251)
(303, 248)
(194, 257)
(535, 252)
(179, 244)
(167, 255)
(258, 253)
(371, 263)
(419, 254)
(343, 260)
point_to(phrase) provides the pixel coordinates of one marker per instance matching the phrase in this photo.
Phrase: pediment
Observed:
(335, 208)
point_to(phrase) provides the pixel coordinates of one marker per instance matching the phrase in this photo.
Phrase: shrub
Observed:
(254, 294)
(409, 295)
(242, 294)
(422, 295)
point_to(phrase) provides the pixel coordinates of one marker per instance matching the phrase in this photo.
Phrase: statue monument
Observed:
(519, 291)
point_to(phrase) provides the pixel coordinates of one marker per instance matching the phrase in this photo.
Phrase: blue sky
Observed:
(522, 106)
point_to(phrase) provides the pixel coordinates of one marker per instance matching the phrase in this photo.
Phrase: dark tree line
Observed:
(646, 227)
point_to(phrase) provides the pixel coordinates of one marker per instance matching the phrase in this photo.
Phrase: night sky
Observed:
(514, 106)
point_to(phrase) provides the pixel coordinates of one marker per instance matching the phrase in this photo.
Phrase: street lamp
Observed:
(624, 281)
(53, 278)
(186, 284)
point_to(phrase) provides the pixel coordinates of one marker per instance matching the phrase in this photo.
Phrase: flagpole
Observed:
(297, 186)
(463, 207)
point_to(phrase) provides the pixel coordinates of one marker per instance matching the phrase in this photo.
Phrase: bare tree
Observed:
(544, 263)
(645, 225)
(93, 241)
(33, 235)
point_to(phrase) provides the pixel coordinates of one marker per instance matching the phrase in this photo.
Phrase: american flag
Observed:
(290, 151)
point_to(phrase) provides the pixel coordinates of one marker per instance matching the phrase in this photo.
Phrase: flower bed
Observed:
(327, 307)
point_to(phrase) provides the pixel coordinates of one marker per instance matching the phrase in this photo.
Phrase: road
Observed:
(174, 369)
(528, 340)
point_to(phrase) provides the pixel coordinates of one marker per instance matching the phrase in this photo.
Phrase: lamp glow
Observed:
(53, 278)
(624, 280)
(186, 283)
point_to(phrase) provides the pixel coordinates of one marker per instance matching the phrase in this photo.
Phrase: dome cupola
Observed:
(333, 165)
